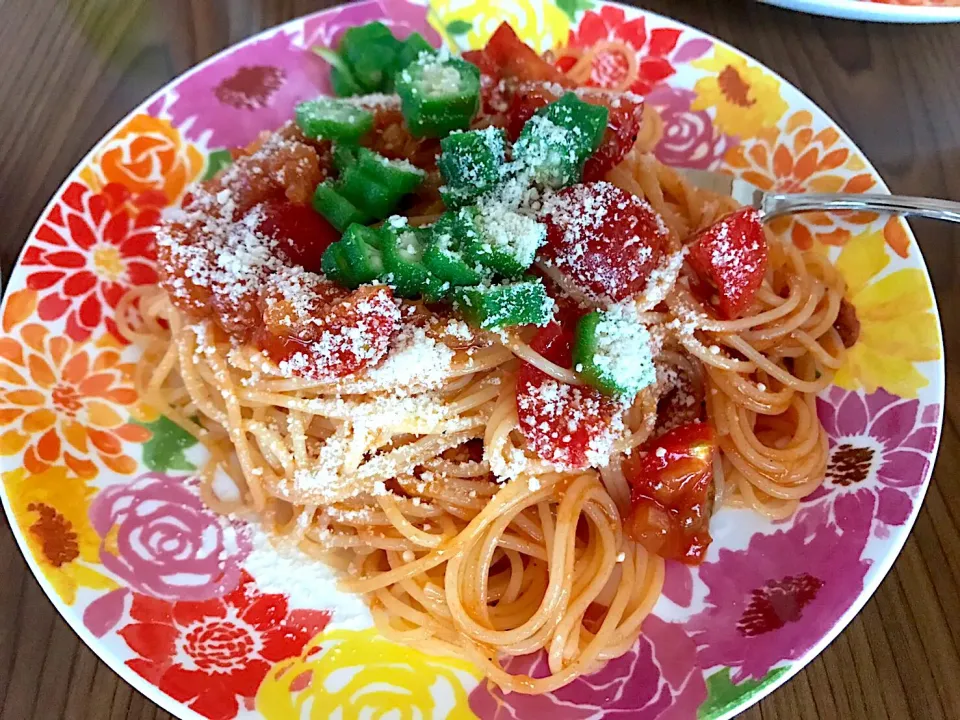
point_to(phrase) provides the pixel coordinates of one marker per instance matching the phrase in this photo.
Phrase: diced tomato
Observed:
(566, 63)
(236, 312)
(302, 233)
(274, 167)
(483, 61)
(671, 481)
(173, 261)
(732, 255)
(515, 59)
(494, 96)
(571, 426)
(351, 334)
(567, 311)
(606, 240)
(314, 295)
(555, 343)
(623, 122)
(623, 125)
(525, 100)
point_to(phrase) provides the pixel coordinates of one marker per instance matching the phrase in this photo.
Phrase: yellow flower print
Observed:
(897, 325)
(541, 25)
(51, 511)
(357, 674)
(746, 97)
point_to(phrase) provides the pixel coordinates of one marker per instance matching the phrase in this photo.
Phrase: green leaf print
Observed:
(722, 694)
(459, 27)
(572, 7)
(164, 451)
(217, 161)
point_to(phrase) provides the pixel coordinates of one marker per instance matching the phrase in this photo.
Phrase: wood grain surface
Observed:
(70, 69)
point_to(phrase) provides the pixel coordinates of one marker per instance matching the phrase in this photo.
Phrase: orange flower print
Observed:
(798, 159)
(146, 155)
(62, 401)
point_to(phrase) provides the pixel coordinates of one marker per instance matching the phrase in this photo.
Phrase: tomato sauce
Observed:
(247, 254)
(671, 481)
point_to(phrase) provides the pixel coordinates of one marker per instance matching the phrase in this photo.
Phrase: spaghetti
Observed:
(415, 475)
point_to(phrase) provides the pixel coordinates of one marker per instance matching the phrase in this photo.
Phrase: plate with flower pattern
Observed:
(101, 491)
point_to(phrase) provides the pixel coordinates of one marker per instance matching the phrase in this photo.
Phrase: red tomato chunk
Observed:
(604, 239)
(509, 57)
(247, 255)
(349, 334)
(301, 233)
(731, 254)
(623, 126)
(671, 481)
(571, 426)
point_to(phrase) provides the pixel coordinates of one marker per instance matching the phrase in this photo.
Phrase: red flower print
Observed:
(649, 51)
(89, 250)
(212, 654)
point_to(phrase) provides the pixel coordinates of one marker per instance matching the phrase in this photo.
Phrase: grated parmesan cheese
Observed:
(582, 215)
(414, 359)
(624, 351)
(511, 232)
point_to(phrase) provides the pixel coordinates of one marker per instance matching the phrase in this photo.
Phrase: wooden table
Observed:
(70, 69)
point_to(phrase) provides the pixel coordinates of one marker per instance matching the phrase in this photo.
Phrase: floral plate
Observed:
(896, 11)
(201, 615)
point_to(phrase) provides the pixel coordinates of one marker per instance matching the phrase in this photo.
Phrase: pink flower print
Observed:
(880, 445)
(689, 136)
(659, 678)
(772, 601)
(254, 88)
(158, 536)
(403, 18)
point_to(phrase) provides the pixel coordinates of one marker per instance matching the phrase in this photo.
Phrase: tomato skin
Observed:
(513, 58)
(555, 343)
(562, 423)
(567, 311)
(327, 349)
(623, 126)
(300, 231)
(525, 100)
(623, 122)
(483, 61)
(604, 239)
(671, 482)
(732, 255)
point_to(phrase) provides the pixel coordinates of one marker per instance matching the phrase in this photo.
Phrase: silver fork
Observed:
(774, 205)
